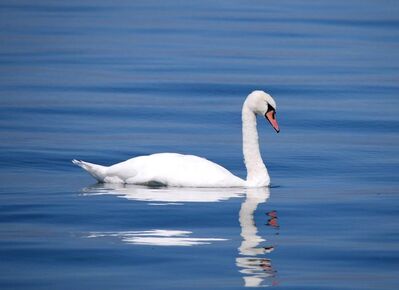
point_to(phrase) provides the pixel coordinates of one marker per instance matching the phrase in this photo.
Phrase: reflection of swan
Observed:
(163, 194)
(253, 265)
(192, 171)
(255, 269)
(156, 238)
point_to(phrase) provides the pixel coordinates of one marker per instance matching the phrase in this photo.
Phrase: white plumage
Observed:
(170, 169)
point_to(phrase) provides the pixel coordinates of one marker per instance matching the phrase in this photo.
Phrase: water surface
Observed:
(103, 82)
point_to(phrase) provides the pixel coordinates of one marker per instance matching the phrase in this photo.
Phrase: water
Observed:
(103, 82)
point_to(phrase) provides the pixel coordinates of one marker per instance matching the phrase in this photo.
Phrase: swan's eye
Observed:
(270, 108)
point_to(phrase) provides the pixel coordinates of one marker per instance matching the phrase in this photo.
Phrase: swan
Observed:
(178, 170)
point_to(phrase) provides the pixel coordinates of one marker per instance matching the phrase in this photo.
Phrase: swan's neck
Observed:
(257, 174)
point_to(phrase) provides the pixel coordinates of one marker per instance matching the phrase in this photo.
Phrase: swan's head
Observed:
(263, 104)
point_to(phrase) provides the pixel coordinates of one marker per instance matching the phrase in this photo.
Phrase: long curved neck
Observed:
(257, 174)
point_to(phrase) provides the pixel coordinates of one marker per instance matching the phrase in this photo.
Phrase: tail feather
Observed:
(97, 171)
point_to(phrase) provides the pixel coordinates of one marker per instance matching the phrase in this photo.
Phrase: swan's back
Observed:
(172, 169)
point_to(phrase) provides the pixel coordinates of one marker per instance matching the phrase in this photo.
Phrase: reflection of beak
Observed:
(271, 117)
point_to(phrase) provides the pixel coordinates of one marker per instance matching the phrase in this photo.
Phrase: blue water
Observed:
(104, 81)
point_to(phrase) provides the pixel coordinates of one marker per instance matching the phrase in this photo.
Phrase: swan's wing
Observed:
(174, 170)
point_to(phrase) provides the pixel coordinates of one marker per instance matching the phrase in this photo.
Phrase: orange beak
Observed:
(271, 117)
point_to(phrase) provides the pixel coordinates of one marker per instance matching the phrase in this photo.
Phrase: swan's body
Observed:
(172, 169)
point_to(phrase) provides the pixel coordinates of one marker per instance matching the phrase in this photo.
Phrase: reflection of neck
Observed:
(250, 266)
(249, 231)
(257, 174)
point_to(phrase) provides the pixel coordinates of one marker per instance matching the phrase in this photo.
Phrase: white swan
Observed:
(172, 169)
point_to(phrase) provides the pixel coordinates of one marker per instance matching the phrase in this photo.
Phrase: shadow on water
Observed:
(252, 259)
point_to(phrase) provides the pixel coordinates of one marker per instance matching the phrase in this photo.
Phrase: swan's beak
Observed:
(271, 117)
